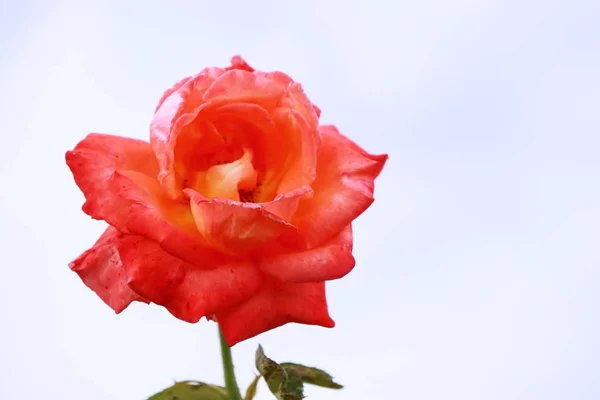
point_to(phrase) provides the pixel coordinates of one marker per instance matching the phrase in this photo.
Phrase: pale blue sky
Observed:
(478, 266)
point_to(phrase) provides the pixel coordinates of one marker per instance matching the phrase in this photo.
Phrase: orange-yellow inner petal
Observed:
(226, 181)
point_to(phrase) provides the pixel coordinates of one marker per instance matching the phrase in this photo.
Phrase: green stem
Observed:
(230, 382)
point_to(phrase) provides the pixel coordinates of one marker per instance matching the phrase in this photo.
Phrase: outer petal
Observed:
(343, 187)
(101, 270)
(171, 90)
(240, 86)
(301, 163)
(275, 305)
(330, 261)
(118, 178)
(188, 292)
(237, 62)
(317, 111)
(93, 163)
(234, 227)
(295, 97)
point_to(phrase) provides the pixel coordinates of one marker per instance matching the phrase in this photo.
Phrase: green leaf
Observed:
(284, 384)
(312, 375)
(192, 390)
(251, 391)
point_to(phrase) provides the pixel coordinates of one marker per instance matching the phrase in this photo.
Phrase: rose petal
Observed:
(234, 227)
(317, 111)
(237, 62)
(118, 178)
(189, 293)
(295, 97)
(177, 110)
(174, 228)
(171, 90)
(101, 270)
(290, 155)
(300, 166)
(330, 261)
(284, 206)
(275, 305)
(251, 126)
(239, 86)
(93, 163)
(343, 187)
(226, 180)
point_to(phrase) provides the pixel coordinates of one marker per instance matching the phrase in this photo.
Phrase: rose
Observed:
(238, 210)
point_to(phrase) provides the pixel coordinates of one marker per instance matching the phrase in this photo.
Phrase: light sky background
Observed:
(478, 266)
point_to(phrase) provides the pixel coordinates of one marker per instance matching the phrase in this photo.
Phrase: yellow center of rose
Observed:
(235, 180)
(230, 179)
(227, 160)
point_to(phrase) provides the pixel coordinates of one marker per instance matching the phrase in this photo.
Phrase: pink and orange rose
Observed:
(239, 209)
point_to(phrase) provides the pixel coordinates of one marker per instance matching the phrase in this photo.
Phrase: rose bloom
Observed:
(239, 209)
